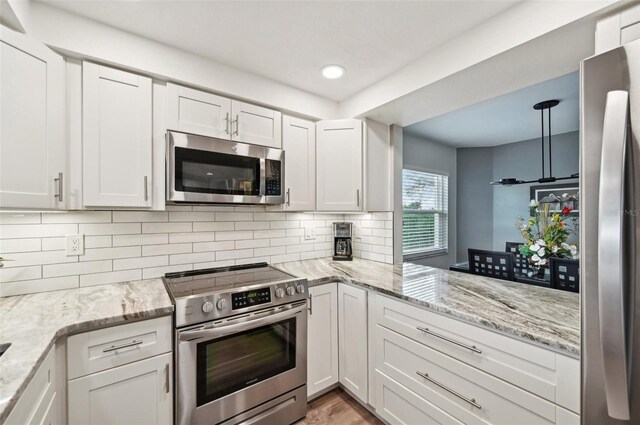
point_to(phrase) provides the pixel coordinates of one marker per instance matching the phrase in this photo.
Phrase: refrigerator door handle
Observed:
(611, 256)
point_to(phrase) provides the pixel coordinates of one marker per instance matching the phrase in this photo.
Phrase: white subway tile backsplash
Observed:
(110, 277)
(191, 237)
(108, 229)
(140, 216)
(234, 254)
(77, 217)
(130, 245)
(20, 273)
(191, 216)
(176, 248)
(19, 231)
(215, 246)
(166, 227)
(39, 285)
(19, 245)
(233, 236)
(20, 218)
(140, 262)
(94, 254)
(146, 239)
(207, 226)
(55, 270)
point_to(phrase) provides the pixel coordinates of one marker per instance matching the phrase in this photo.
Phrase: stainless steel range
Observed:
(241, 345)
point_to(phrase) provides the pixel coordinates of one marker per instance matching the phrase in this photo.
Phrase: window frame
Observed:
(430, 252)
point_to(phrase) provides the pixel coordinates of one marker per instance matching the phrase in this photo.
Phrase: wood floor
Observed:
(337, 408)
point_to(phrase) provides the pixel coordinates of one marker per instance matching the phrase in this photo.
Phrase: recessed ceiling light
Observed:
(332, 71)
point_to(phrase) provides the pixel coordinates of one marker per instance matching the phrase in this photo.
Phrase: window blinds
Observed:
(425, 212)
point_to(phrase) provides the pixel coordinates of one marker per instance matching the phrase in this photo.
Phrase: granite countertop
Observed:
(32, 324)
(543, 316)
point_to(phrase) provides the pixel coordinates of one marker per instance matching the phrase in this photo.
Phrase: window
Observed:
(424, 213)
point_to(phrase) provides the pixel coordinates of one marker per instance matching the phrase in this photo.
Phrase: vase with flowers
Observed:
(545, 235)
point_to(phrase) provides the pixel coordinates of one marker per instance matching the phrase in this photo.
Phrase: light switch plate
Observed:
(74, 244)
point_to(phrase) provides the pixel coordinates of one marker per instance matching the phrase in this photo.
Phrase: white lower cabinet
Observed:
(121, 375)
(137, 393)
(352, 336)
(38, 403)
(322, 357)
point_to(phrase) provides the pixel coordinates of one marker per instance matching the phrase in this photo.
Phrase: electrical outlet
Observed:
(309, 233)
(75, 244)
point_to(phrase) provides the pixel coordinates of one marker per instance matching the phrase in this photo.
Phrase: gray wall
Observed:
(423, 154)
(484, 227)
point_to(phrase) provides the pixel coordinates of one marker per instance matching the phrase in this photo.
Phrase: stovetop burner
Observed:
(209, 294)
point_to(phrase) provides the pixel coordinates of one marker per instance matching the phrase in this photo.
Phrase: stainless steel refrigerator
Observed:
(610, 236)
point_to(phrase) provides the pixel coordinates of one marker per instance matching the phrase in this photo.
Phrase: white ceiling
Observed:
(290, 41)
(508, 118)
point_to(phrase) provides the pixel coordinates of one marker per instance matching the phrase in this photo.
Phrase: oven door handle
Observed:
(225, 329)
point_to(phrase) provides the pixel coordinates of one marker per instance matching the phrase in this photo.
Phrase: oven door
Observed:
(208, 170)
(240, 363)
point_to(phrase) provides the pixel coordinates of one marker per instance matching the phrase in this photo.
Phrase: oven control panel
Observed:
(250, 298)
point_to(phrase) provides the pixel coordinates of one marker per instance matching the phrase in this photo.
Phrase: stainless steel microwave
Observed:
(206, 170)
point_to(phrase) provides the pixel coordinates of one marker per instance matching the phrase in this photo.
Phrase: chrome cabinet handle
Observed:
(471, 401)
(358, 197)
(453, 341)
(59, 181)
(166, 378)
(146, 189)
(121, 346)
(2, 260)
(226, 126)
(611, 295)
(310, 304)
(237, 121)
(288, 197)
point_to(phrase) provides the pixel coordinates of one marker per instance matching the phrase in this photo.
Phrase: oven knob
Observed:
(291, 290)
(279, 292)
(221, 304)
(207, 307)
(300, 289)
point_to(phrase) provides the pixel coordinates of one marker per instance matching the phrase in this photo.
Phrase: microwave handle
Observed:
(263, 177)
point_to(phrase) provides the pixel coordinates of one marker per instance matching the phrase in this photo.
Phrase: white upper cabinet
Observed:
(617, 29)
(206, 114)
(198, 112)
(256, 125)
(32, 133)
(339, 165)
(299, 144)
(117, 138)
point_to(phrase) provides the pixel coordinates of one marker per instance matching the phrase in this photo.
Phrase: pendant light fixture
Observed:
(510, 181)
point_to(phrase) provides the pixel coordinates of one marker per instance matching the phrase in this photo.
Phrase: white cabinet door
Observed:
(339, 165)
(32, 133)
(256, 125)
(299, 144)
(138, 393)
(116, 138)
(352, 334)
(322, 357)
(198, 112)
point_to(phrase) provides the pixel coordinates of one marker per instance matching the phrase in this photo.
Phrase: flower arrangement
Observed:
(546, 235)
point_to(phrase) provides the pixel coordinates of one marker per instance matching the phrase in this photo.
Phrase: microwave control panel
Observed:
(250, 298)
(273, 178)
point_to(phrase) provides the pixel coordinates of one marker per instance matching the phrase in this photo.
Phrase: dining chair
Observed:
(520, 263)
(496, 264)
(565, 274)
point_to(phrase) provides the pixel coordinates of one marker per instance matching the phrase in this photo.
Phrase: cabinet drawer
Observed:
(37, 402)
(399, 405)
(465, 392)
(94, 351)
(527, 366)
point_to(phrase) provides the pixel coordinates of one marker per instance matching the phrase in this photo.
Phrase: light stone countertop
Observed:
(543, 316)
(33, 323)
